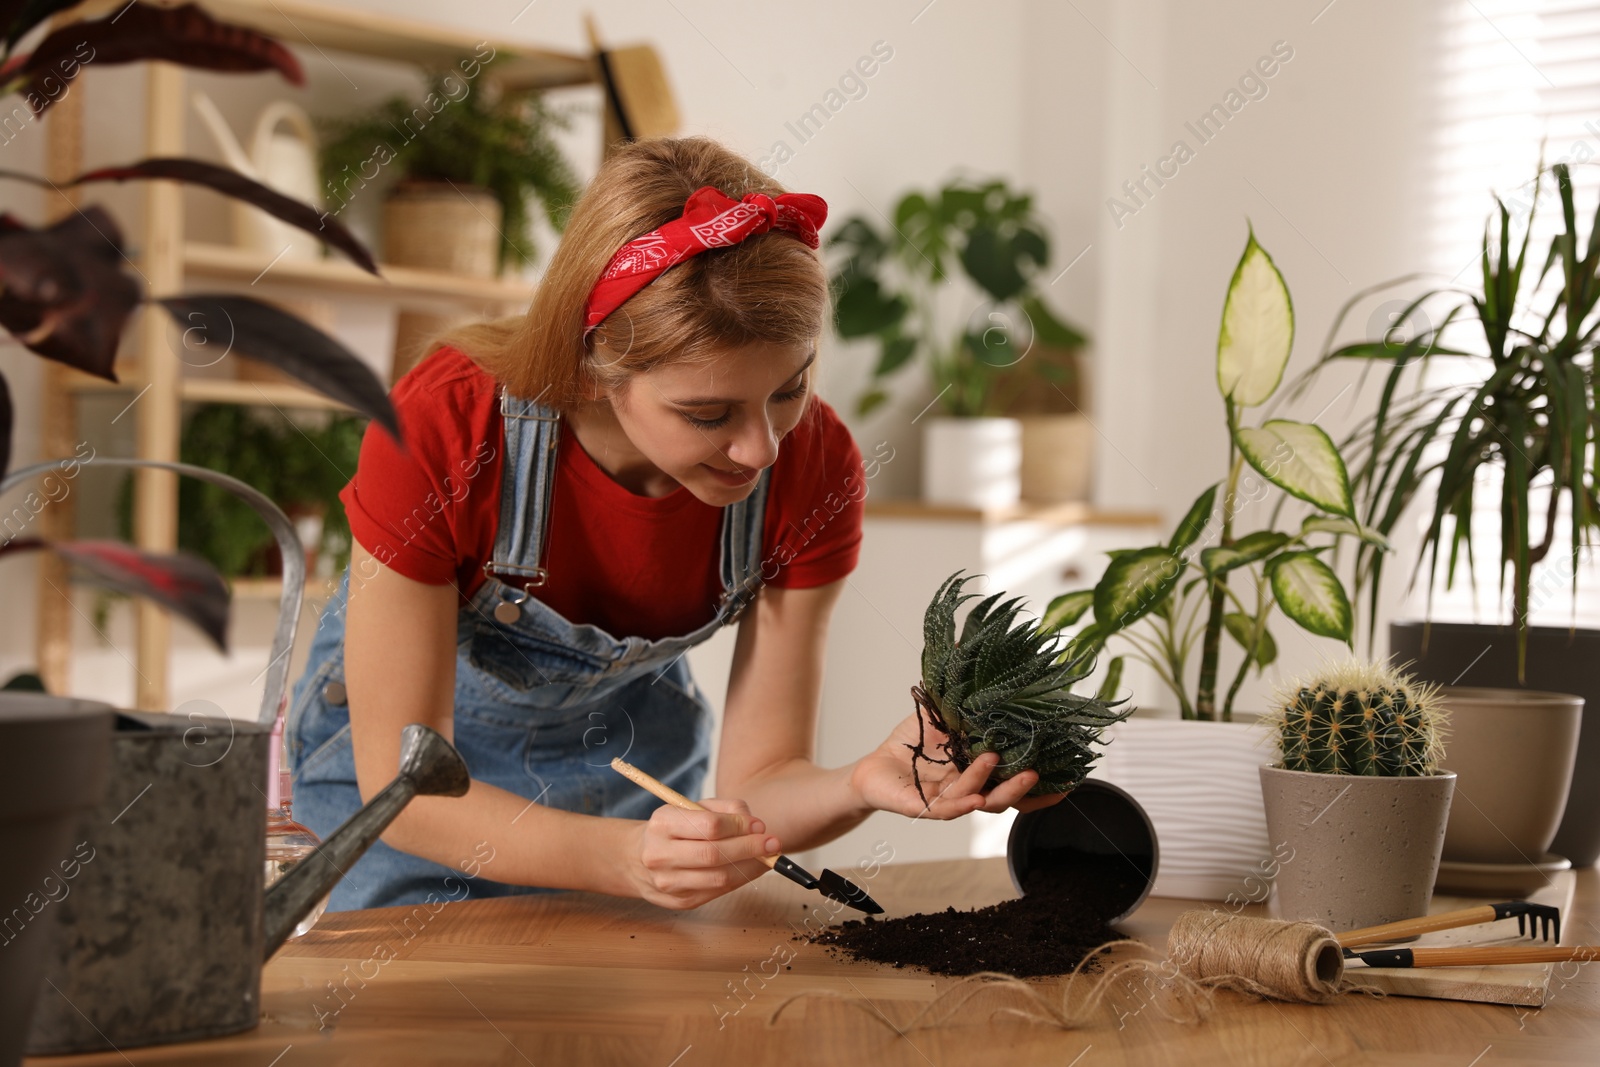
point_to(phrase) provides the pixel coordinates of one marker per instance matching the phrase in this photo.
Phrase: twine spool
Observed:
(1298, 961)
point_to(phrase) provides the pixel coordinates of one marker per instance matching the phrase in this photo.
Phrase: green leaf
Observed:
(1257, 329)
(1194, 523)
(1133, 584)
(1300, 459)
(861, 307)
(1066, 609)
(1311, 594)
(1242, 628)
(1338, 524)
(1113, 680)
(870, 401)
(1049, 329)
(897, 351)
(994, 263)
(1249, 548)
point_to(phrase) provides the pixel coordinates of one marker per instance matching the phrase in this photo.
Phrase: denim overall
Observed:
(541, 704)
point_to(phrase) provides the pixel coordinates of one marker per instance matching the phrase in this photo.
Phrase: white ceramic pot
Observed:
(972, 462)
(1200, 783)
(1057, 452)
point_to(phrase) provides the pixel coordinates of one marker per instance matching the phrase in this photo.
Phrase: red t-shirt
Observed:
(632, 565)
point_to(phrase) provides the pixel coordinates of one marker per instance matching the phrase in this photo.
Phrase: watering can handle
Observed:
(283, 531)
(274, 113)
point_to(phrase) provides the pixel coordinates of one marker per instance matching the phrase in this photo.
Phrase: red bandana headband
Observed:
(710, 219)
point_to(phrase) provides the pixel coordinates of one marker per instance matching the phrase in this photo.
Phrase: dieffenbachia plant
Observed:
(1162, 600)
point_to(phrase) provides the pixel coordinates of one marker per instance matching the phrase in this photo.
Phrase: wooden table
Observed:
(579, 979)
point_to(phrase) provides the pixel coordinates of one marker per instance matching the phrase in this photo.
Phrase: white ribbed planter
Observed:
(973, 462)
(1201, 786)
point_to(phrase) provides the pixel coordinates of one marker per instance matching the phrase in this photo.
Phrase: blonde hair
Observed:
(767, 289)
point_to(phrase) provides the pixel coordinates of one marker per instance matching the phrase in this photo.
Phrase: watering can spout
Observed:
(429, 766)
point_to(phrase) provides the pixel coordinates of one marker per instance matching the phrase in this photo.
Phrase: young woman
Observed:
(583, 495)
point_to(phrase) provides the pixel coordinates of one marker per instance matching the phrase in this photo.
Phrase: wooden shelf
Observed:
(1069, 514)
(277, 394)
(299, 23)
(402, 284)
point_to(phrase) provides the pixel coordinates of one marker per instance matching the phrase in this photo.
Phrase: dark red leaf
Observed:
(5, 426)
(230, 182)
(184, 35)
(62, 290)
(262, 332)
(182, 582)
(17, 17)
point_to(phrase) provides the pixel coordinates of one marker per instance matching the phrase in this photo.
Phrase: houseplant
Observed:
(66, 294)
(1523, 413)
(1356, 796)
(1168, 602)
(889, 286)
(467, 163)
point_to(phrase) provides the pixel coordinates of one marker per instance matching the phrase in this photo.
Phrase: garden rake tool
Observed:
(1533, 920)
(830, 885)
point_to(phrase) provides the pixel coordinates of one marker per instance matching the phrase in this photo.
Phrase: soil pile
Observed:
(1060, 921)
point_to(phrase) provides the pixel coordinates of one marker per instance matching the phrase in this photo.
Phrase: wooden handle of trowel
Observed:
(1396, 931)
(666, 793)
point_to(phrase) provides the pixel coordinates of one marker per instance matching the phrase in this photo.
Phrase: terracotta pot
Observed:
(1198, 783)
(1512, 751)
(1559, 660)
(972, 462)
(1356, 850)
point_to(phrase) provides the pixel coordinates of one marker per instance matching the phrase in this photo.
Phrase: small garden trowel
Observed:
(830, 885)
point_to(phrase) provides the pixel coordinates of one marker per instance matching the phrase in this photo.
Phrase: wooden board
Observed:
(1521, 984)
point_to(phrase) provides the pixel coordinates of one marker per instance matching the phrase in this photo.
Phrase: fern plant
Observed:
(1004, 686)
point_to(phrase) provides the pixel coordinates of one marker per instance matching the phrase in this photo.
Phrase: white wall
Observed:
(1331, 167)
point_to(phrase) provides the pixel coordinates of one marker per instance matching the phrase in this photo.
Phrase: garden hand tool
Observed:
(1538, 920)
(1476, 956)
(830, 885)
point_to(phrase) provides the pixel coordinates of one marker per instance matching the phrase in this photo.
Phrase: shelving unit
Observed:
(170, 265)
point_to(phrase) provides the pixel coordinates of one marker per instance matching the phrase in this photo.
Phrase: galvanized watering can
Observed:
(163, 929)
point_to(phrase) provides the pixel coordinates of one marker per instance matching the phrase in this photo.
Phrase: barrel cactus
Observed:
(1360, 718)
(1004, 686)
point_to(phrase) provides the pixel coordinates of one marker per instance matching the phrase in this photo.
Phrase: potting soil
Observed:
(1061, 920)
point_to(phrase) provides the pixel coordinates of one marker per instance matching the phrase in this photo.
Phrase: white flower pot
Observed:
(1200, 784)
(972, 462)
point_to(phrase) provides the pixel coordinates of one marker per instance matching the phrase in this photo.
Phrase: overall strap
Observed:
(532, 432)
(742, 526)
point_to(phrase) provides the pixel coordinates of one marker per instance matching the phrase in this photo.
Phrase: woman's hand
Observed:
(884, 779)
(681, 859)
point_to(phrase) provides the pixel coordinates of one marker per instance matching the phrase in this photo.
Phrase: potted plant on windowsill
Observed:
(890, 286)
(1528, 415)
(1172, 605)
(1356, 801)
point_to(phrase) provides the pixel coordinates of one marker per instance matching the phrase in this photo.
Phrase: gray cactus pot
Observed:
(55, 757)
(1358, 850)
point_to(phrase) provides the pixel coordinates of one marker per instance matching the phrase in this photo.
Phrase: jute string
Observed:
(1206, 951)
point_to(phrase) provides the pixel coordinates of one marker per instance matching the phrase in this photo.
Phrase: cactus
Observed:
(1005, 687)
(1360, 718)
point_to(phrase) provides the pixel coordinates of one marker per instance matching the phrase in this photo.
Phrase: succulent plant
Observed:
(1360, 718)
(1005, 686)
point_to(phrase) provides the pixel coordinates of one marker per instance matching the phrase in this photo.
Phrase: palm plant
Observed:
(1529, 411)
(1003, 686)
(1146, 586)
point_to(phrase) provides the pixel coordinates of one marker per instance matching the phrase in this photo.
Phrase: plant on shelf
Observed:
(299, 464)
(1002, 687)
(889, 283)
(1161, 600)
(466, 135)
(1529, 409)
(66, 291)
(1359, 746)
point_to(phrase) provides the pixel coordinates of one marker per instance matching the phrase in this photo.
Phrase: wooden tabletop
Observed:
(580, 979)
